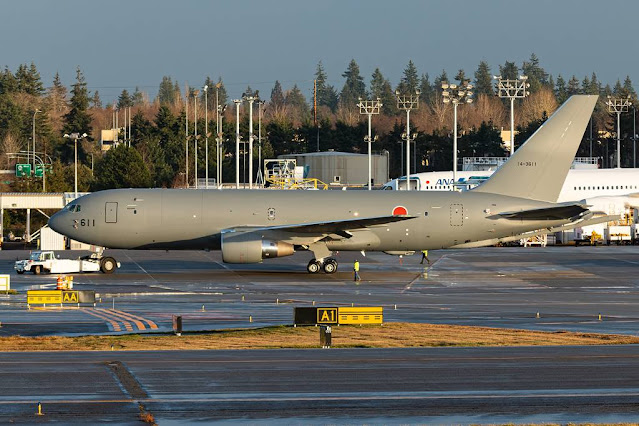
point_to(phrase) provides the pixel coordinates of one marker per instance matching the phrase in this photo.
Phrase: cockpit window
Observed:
(72, 207)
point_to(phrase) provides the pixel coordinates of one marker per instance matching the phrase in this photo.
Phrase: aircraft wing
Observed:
(330, 226)
(550, 213)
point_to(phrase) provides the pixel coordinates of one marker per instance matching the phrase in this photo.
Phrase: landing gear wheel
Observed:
(108, 265)
(330, 266)
(313, 266)
(37, 270)
(20, 272)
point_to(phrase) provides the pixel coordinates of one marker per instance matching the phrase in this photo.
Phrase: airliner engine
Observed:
(250, 247)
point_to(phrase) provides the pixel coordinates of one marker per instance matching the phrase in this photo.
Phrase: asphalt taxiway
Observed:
(569, 287)
(429, 385)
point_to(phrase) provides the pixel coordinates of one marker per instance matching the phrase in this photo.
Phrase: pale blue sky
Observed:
(122, 44)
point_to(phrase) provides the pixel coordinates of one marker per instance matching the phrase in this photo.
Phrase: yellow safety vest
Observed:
(356, 266)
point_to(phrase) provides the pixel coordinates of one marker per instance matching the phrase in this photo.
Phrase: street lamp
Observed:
(195, 94)
(512, 89)
(75, 137)
(34, 139)
(237, 103)
(407, 103)
(456, 94)
(617, 106)
(219, 144)
(206, 135)
(260, 104)
(186, 141)
(250, 99)
(369, 108)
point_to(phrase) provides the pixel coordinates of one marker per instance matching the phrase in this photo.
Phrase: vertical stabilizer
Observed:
(539, 167)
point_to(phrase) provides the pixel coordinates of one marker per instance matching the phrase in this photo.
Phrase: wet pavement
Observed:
(500, 287)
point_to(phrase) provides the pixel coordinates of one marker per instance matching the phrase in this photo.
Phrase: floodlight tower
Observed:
(369, 108)
(408, 103)
(237, 103)
(206, 135)
(195, 136)
(456, 94)
(512, 89)
(617, 106)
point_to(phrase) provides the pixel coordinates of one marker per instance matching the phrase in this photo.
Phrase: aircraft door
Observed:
(111, 212)
(456, 215)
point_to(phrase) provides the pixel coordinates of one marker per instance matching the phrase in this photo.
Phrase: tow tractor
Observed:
(46, 262)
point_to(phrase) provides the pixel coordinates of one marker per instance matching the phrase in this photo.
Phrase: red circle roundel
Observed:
(399, 211)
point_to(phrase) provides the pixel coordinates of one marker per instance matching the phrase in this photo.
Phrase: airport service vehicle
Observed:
(618, 234)
(249, 226)
(40, 262)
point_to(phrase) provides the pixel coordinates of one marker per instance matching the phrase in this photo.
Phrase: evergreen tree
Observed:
(561, 91)
(628, 90)
(443, 77)
(509, 71)
(354, 86)
(410, 79)
(460, 76)
(585, 85)
(381, 88)
(8, 83)
(326, 94)
(277, 95)
(122, 167)
(78, 119)
(58, 95)
(166, 92)
(595, 85)
(96, 102)
(483, 79)
(124, 100)
(573, 86)
(296, 99)
(427, 90)
(537, 76)
(138, 97)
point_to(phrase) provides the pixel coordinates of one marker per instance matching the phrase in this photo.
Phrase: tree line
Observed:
(291, 122)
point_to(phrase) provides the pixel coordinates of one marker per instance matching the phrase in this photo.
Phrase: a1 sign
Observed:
(23, 170)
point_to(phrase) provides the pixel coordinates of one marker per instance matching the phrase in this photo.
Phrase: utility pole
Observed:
(456, 94)
(407, 103)
(618, 106)
(315, 113)
(237, 103)
(34, 142)
(260, 105)
(369, 108)
(512, 89)
(206, 135)
(186, 144)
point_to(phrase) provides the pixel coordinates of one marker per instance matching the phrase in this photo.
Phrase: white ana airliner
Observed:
(607, 191)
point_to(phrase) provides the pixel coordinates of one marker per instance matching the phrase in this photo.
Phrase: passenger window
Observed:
(425, 213)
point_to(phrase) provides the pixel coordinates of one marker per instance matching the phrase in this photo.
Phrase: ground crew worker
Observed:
(424, 256)
(356, 271)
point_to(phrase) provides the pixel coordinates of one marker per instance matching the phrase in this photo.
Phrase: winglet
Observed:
(539, 167)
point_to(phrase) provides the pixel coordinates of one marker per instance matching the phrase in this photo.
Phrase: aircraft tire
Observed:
(108, 265)
(313, 267)
(20, 272)
(330, 266)
(37, 270)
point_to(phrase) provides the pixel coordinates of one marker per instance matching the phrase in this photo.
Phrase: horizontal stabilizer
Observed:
(549, 213)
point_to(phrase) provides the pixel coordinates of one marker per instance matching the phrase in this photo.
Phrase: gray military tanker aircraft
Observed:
(251, 225)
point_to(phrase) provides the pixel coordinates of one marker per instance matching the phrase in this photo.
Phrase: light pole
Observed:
(195, 94)
(237, 103)
(260, 104)
(456, 94)
(617, 106)
(219, 145)
(369, 108)
(75, 137)
(34, 139)
(250, 99)
(407, 103)
(186, 140)
(634, 138)
(206, 135)
(512, 89)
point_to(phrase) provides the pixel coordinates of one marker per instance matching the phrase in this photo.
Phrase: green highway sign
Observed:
(23, 170)
(39, 171)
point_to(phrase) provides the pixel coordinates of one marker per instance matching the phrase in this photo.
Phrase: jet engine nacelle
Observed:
(247, 247)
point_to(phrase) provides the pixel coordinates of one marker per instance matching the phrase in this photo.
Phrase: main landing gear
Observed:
(328, 265)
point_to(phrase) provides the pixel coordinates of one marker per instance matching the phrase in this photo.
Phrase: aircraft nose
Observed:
(55, 222)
